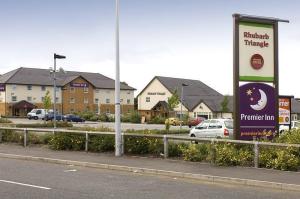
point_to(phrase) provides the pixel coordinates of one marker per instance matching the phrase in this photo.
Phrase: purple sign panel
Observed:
(79, 85)
(257, 111)
(2, 87)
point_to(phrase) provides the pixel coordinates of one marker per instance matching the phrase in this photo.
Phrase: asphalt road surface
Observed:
(34, 180)
(111, 125)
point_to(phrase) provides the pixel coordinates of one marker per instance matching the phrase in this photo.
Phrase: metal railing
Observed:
(165, 138)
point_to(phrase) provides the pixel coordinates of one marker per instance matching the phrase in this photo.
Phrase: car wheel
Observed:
(194, 142)
(190, 126)
(35, 117)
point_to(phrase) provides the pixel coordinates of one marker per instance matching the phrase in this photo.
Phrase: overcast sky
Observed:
(176, 38)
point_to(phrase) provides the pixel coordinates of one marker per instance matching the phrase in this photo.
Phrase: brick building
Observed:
(25, 88)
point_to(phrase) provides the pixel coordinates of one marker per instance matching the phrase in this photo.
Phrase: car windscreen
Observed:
(229, 124)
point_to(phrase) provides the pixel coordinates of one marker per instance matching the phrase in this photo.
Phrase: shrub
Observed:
(67, 141)
(195, 152)
(101, 143)
(176, 149)
(157, 120)
(228, 154)
(103, 117)
(88, 128)
(48, 124)
(133, 117)
(5, 120)
(12, 136)
(143, 145)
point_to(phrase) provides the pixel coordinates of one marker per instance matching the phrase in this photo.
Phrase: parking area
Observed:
(124, 126)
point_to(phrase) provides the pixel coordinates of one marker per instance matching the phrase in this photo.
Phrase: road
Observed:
(27, 179)
(124, 126)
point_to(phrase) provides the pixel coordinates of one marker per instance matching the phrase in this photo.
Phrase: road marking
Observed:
(27, 185)
(70, 170)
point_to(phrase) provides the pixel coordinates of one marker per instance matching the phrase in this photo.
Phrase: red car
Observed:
(195, 121)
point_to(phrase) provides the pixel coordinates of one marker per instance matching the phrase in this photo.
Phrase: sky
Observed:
(190, 39)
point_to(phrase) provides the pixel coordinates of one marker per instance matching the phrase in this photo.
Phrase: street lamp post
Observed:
(182, 85)
(118, 138)
(56, 56)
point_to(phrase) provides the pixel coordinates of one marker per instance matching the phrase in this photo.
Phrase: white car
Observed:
(294, 125)
(213, 128)
(37, 114)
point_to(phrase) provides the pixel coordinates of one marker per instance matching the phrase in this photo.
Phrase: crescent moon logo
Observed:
(261, 104)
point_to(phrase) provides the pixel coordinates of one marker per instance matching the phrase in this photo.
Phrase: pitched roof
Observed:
(37, 76)
(194, 93)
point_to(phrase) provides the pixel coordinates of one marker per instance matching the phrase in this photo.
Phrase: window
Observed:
(96, 100)
(57, 99)
(57, 89)
(72, 90)
(85, 89)
(147, 99)
(121, 100)
(128, 92)
(107, 101)
(72, 100)
(29, 87)
(43, 88)
(128, 101)
(72, 110)
(13, 87)
(14, 98)
(86, 100)
(29, 99)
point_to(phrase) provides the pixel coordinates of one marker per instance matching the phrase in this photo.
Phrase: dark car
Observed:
(72, 118)
(195, 121)
(50, 116)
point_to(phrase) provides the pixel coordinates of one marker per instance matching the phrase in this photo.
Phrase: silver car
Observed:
(213, 128)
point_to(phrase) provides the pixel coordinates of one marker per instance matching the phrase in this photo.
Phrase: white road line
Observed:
(27, 185)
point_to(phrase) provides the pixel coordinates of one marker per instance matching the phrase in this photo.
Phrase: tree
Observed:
(47, 100)
(173, 101)
(224, 105)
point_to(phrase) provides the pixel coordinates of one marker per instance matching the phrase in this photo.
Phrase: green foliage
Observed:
(102, 143)
(132, 117)
(176, 149)
(87, 115)
(228, 154)
(157, 120)
(88, 128)
(47, 100)
(12, 136)
(67, 141)
(5, 120)
(173, 101)
(195, 152)
(167, 126)
(49, 124)
(291, 137)
(143, 145)
(224, 104)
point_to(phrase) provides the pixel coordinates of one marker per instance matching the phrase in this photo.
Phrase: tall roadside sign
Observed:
(255, 76)
(285, 106)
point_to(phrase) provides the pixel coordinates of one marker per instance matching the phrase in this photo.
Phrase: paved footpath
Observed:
(175, 168)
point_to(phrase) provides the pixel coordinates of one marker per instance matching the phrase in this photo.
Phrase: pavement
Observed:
(268, 178)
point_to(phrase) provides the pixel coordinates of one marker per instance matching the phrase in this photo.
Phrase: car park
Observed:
(213, 128)
(72, 118)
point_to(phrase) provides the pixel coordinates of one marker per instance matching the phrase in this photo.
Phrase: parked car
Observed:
(72, 118)
(213, 128)
(195, 121)
(172, 121)
(294, 125)
(37, 114)
(50, 116)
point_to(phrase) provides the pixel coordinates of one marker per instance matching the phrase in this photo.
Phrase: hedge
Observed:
(223, 154)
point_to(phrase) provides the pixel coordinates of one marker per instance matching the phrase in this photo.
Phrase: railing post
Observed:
(1, 136)
(123, 143)
(25, 137)
(166, 147)
(256, 154)
(86, 141)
